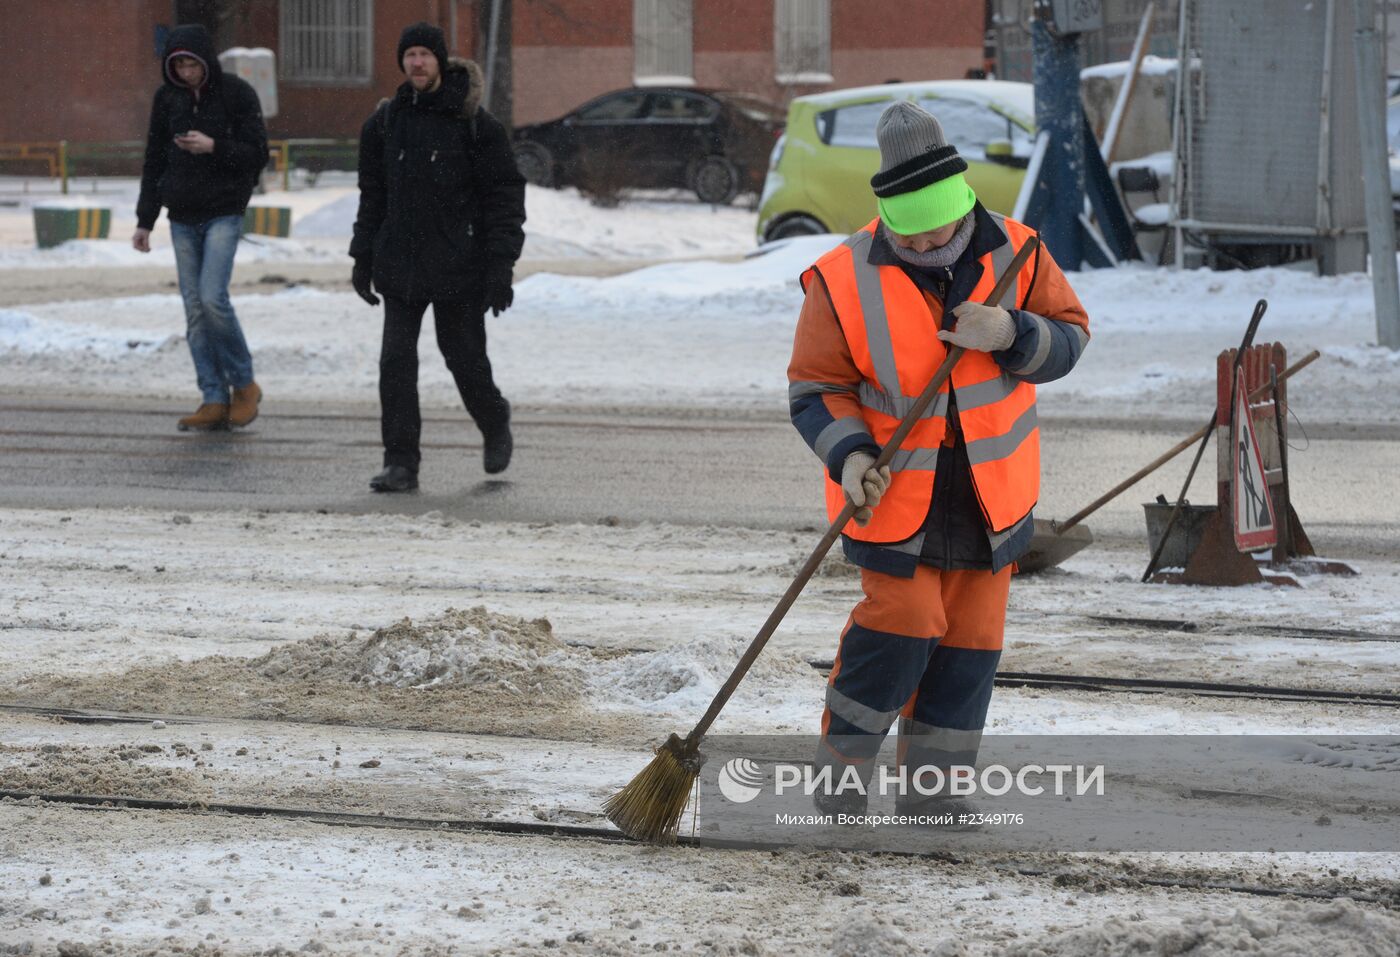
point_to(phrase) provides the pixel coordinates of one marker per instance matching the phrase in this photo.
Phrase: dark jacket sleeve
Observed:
(153, 167)
(824, 384)
(245, 151)
(502, 199)
(1052, 327)
(373, 199)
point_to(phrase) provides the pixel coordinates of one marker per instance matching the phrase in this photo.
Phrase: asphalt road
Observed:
(613, 466)
(567, 467)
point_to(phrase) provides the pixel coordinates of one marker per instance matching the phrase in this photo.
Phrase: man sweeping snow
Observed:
(938, 531)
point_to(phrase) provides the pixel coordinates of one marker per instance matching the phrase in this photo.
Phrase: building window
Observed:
(802, 40)
(662, 32)
(327, 41)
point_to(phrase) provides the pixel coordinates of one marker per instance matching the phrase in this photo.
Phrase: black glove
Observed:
(498, 292)
(362, 279)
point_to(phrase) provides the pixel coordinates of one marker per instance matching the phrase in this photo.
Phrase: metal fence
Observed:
(63, 160)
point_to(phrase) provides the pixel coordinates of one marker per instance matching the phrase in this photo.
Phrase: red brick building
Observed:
(84, 70)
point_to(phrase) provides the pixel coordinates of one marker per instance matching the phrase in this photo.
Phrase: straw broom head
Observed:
(649, 808)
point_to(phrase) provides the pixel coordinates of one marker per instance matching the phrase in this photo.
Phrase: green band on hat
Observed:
(937, 204)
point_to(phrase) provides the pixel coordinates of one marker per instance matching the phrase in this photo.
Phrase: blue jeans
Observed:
(204, 259)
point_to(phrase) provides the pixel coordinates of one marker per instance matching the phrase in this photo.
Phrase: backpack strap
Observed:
(388, 105)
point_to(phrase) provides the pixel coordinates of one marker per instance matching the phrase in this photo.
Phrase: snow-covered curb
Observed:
(719, 334)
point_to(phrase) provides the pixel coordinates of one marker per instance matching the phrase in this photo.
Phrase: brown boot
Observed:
(208, 417)
(245, 405)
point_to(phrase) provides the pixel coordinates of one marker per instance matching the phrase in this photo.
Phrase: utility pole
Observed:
(1380, 218)
(494, 52)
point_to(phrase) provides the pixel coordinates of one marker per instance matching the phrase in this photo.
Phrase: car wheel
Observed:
(535, 164)
(715, 180)
(794, 226)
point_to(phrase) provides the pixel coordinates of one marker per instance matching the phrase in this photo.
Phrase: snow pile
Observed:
(1163, 163)
(475, 650)
(757, 287)
(1157, 332)
(71, 202)
(99, 770)
(561, 224)
(864, 937)
(119, 252)
(714, 334)
(26, 334)
(834, 565)
(1339, 928)
(645, 226)
(686, 677)
(1151, 65)
(85, 252)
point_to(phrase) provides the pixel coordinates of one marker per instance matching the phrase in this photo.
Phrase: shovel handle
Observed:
(1183, 445)
(833, 532)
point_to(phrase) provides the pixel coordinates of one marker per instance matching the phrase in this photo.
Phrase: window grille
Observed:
(663, 41)
(802, 40)
(327, 41)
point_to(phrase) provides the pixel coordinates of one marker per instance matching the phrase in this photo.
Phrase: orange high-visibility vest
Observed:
(891, 332)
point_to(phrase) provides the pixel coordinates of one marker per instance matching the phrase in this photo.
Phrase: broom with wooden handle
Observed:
(649, 808)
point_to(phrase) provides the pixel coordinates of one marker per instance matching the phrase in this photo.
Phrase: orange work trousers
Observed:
(923, 650)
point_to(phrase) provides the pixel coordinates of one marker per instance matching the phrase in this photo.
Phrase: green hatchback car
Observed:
(819, 171)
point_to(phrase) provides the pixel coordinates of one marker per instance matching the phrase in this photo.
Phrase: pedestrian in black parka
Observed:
(440, 222)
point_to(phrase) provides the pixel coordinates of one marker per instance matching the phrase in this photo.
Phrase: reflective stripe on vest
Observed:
(891, 333)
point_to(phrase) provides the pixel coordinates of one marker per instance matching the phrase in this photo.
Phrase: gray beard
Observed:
(941, 258)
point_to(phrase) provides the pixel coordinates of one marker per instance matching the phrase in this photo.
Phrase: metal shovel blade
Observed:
(1050, 547)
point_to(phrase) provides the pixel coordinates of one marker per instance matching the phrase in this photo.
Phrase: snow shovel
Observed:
(649, 808)
(1055, 541)
(1052, 543)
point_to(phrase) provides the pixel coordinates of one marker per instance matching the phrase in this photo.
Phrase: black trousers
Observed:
(461, 338)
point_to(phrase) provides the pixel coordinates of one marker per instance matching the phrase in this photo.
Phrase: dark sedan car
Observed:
(713, 142)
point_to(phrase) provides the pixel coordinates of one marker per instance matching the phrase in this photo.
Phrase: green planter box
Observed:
(54, 225)
(268, 221)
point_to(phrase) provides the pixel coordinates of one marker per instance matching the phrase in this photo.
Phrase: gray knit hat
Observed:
(920, 185)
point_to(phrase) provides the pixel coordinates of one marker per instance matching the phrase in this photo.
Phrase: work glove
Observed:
(981, 328)
(363, 281)
(498, 294)
(863, 484)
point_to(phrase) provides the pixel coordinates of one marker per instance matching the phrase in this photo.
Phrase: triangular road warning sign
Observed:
(1252, 506)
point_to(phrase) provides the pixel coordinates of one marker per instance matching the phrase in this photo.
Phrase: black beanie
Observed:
(422, 34)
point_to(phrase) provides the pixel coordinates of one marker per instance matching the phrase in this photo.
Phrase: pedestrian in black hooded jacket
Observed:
(440, 223)
(205, 148)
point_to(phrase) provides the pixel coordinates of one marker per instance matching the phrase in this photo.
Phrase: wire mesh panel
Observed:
(1254, 118)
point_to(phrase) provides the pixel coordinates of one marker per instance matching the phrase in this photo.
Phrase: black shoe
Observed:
(395, 478)
(937, 805)
(497, 446)
(848, 802)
